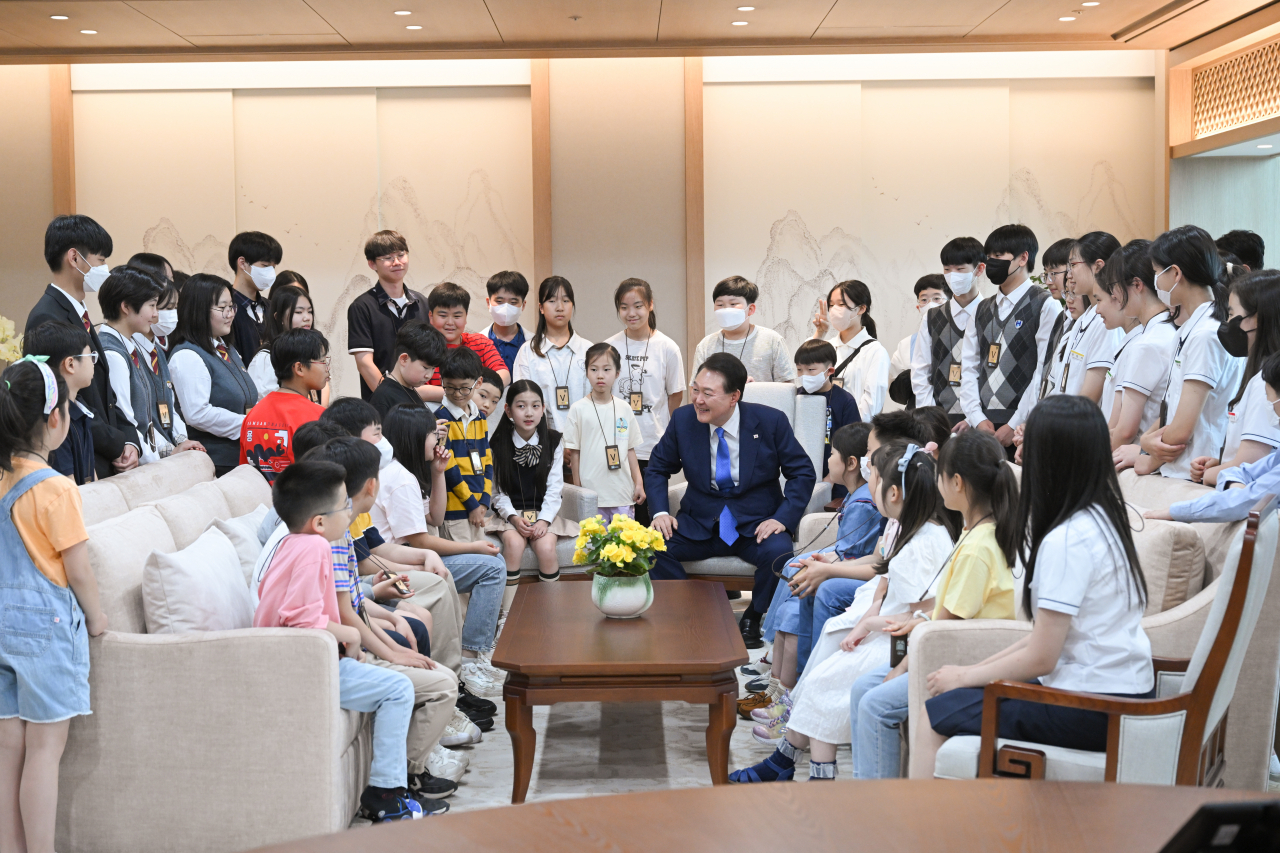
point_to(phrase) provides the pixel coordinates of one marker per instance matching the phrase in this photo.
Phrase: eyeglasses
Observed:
(1074, 263)
(1056, 273)
(461, 389)
(92, 356)
(395, 257)
(326, 361)
(346, 508)
(225, 310)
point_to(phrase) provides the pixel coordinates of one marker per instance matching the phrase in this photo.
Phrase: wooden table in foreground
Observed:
(559, 648)
(882, 816)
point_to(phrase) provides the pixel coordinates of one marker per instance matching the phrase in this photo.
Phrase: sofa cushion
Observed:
(1172, 559)
(1156, 492)
(200, 588)
(170, 476)
(243, 533)
(189, 514)
(118, 549)
(958, 759)
(101, 500)
(244, 489)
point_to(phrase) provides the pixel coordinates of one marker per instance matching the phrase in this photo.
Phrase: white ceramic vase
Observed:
(622, 596)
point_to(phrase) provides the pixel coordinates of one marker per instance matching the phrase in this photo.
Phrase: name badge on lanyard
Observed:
(165, 419)
(637, 402)
(993, 355)
(530, 515)
(562, 397)
(1066, 371)
(476, 466)
(953, 376)
(612, 457)
(839, 383)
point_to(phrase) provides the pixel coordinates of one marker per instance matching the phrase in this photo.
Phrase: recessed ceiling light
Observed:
(413, 27)
(1066, 18)
(1091, 3)
(89, 32)
(1264, 146)
(58, 17)
(402, 12)
(746, 8)
(739, 23)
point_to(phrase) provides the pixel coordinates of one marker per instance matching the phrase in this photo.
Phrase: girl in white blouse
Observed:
(862, 362)
(1093, 344)
(555, 357)
(1190, 278)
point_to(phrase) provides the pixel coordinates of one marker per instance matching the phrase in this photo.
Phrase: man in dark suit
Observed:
(76, 249)
(732, 454)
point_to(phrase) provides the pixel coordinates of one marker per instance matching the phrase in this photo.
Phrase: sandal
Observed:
(749, 775)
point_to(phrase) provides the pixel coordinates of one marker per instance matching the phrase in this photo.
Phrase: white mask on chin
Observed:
(730, 318)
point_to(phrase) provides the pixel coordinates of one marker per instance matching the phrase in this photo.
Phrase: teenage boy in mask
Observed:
(507, 292)
(815, 366)
(931, 291)
(761, 350)
(76, 249)
(1006, 344)
(935, 358)
(253, 256)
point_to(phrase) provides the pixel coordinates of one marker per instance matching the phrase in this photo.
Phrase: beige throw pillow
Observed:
(200, 588)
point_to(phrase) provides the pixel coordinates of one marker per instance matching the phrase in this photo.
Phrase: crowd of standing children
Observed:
(1159, 355)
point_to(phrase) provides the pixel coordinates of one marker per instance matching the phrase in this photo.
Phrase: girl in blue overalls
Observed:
(46, 590)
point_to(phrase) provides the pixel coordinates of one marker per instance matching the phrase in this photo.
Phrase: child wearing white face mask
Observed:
(815, 364)
(507, 292)
(762, 351)
(935, 355)
(862, 368)
(253, 256)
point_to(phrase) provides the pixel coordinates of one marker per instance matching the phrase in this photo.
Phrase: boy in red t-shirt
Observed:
(300, 358)
(448, 304)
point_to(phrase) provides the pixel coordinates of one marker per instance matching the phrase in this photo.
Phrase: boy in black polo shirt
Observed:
(253, 256)
(419, 350)
(376, 315)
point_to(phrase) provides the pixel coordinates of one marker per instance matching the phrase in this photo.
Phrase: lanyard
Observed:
(631, 382)
(1182, 339)
(613, 413)
(947, 561)
(741, 350)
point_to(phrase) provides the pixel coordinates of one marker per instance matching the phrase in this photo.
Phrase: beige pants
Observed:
(461, 530)
(435, 693)
(439, 597)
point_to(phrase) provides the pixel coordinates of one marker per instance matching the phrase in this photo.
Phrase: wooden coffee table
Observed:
(559, 648)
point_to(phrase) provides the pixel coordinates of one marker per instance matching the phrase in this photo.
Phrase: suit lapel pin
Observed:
(755, 435)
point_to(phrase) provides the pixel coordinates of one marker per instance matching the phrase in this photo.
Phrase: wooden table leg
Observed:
(723, 719)
(523, 740)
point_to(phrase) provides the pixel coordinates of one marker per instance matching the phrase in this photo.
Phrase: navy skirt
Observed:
(959, 712)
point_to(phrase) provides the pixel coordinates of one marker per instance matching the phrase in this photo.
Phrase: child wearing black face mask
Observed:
(1005, 346)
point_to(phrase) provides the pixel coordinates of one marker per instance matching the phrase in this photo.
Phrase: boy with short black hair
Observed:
(1006, 343)
(297, 591)
(762, 351)
(815, 365)
(68, 350)
(1245, 245)
(488, 394)
(253, 257)
(357, 417)
(300, 360)
(507, 292)
(1055, 261)
(76, 249)
(939, 342)
(375, 316)
(420, 349)
(930, 290)
(469, 477)
(448, 304)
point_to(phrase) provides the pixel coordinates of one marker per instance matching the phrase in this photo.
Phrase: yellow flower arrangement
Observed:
(10, 342)
(623, 547)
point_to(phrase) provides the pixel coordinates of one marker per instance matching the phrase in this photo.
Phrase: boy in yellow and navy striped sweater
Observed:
(469, 476)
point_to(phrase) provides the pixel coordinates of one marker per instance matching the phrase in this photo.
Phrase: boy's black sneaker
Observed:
(429, 805)
(425, 785)
(381, 805)
(484, 724)
(468, 701)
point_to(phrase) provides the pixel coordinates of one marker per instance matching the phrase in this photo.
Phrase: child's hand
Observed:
(948, 678)
(1158, 514)
(385, 589)
(1199, 465)
(900, 669)
(637, 494)
(1019, 434)
(857, 635)
(190, 445)
(432, 563)
(522, 527)
(1125, 456)
(401, 626)
(95, 624)
(820, 327)
(1153, 443)
(353, 651)
(539, 529)
(484, 546)
(476, 516)
(440, 462)
(899, 626)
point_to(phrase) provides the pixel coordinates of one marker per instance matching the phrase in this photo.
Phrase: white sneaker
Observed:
(460, 731)
(479, 679)
(446, 764)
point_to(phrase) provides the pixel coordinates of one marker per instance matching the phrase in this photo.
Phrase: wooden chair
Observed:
(1176, 738)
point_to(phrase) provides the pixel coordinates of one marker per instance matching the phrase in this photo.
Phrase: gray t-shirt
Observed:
(762, 351)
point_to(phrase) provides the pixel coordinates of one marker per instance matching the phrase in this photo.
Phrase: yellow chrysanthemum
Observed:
(579, 557)
(610, 551)
(659, 544)
(627, 554)
(628, 536)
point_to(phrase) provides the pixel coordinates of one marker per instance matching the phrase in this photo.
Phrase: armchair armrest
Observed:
(674, 493)
(1170, 664)
(253, 712)
(577, 503)
(821, 497)
(810, 535)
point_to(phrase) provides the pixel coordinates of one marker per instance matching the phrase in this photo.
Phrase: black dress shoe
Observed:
(734, 594)
(750, 627)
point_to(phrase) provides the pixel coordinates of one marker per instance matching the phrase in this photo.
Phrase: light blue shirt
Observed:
(1227, 504)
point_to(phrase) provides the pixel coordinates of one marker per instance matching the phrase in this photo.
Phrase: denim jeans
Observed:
(485, 578)
(388, 695)
(877, 710)
(833, 596)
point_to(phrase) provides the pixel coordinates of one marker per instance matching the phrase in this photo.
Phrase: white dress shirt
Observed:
(566, 369)
(118, 374)
(922, 355)
(192, 384)
(867, 376)
(734, 440)
(969, 362)
(555, 485)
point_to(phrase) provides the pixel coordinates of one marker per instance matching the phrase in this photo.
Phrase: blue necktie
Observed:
(724, 482)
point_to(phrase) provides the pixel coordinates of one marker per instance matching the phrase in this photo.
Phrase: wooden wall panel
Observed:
(695, 305)
(540, 107)
(63, 140)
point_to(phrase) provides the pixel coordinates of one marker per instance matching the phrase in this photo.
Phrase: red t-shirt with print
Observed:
(266, 437)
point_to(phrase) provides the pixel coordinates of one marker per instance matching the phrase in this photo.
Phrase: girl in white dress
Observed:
(903, 483)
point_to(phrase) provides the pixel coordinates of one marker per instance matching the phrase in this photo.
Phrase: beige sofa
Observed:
(214, 741)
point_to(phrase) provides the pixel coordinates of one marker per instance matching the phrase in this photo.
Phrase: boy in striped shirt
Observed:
(469, 476)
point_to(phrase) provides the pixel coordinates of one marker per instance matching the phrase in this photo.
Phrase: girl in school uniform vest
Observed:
(212, 386)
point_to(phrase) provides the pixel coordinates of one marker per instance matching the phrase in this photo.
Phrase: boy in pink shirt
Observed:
(297, 592)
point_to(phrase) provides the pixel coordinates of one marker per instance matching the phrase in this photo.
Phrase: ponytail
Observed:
(1193, 251)
(918, 481)
(978, 459)
(854, 293)
(646, 293)
(23, 398)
